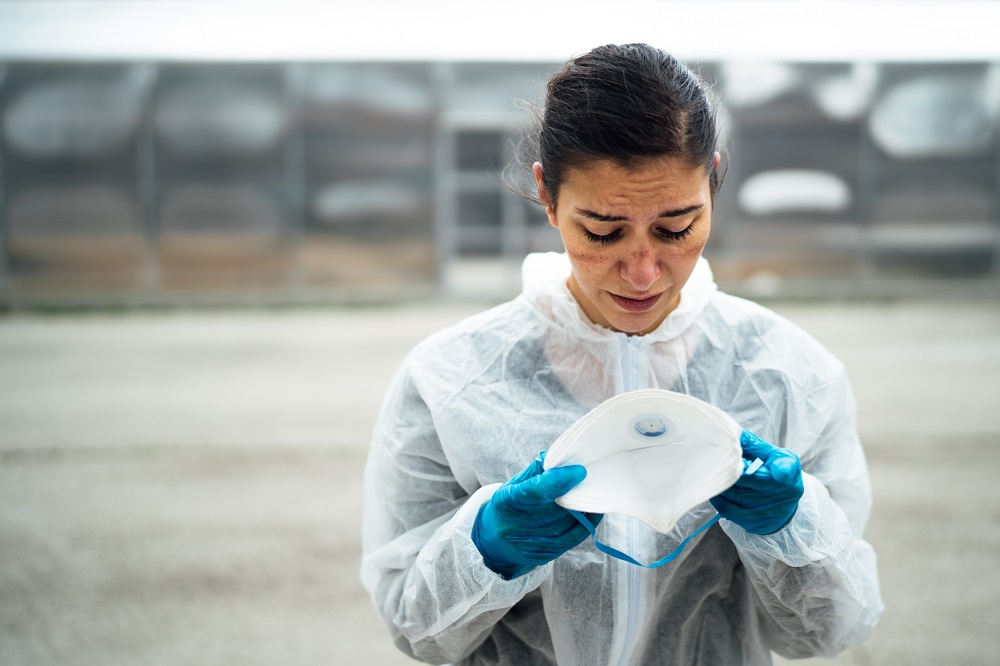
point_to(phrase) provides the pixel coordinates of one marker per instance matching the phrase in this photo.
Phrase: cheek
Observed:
(585, 255)
(692, 247)
(682, 260)
(591, 260)
(690, 251)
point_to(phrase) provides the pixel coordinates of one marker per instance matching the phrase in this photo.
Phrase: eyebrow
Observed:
(593, 215)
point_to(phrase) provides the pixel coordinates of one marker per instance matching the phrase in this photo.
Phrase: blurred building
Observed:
(126, 180)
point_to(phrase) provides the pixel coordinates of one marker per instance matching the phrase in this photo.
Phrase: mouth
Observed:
(636, 304)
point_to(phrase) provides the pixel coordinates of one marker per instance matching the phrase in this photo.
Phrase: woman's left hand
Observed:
(765, 501)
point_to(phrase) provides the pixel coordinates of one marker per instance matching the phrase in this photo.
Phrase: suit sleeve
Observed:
(426, 577)
(815, 581)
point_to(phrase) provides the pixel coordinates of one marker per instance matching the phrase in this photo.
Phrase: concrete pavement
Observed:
(184, 487)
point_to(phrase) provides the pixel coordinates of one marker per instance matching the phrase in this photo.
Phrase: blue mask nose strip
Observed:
(750, 468)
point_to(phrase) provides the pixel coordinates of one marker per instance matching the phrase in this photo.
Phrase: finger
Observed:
(749, 501)
(759, 481)
(726, 507)
(547, 532)
(532, 470)
(786, 469)
(782, 468)
(754, 447)
(552, 483)
(763, 487)
(754, 499)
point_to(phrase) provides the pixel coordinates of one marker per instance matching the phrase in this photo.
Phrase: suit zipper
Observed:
(630, 382)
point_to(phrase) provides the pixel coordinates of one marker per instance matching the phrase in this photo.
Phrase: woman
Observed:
(466, 554)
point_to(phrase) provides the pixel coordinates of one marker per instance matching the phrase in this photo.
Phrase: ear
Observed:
(715, 164)
(543, 194)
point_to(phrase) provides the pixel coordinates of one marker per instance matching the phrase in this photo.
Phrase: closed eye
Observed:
(665, 234)
(602, 239)
(675, 235)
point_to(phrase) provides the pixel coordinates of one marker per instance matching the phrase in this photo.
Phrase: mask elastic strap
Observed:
(751, 467)
(613, 552)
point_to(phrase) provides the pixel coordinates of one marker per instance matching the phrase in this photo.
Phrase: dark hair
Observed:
(626, 103)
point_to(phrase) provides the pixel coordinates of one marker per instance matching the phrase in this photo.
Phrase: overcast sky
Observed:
(795, 30)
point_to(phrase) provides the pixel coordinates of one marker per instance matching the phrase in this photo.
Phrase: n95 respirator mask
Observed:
(650, 454)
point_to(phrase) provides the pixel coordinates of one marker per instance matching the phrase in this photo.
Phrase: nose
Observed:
(640, 268)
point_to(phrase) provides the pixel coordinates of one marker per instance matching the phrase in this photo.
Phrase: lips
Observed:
(636, 304)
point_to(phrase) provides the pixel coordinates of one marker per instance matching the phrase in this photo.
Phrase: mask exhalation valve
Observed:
(651, 426)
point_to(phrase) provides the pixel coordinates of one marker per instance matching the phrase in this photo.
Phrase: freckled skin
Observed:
(611, 281)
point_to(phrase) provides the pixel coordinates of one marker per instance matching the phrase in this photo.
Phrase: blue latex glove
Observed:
(522, 527)
(765, 501)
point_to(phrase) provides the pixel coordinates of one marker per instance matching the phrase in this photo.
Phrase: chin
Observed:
(636, 324)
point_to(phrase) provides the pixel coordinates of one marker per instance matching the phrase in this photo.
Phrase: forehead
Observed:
(660, 181)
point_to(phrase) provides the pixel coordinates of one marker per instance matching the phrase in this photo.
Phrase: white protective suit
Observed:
(474, 404)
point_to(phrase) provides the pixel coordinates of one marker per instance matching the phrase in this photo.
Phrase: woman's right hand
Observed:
(521, 526)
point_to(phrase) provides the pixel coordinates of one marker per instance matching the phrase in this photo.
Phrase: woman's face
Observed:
(633, 236)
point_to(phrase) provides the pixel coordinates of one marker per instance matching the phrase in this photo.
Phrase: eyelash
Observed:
(603, 240)
(666, 234)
